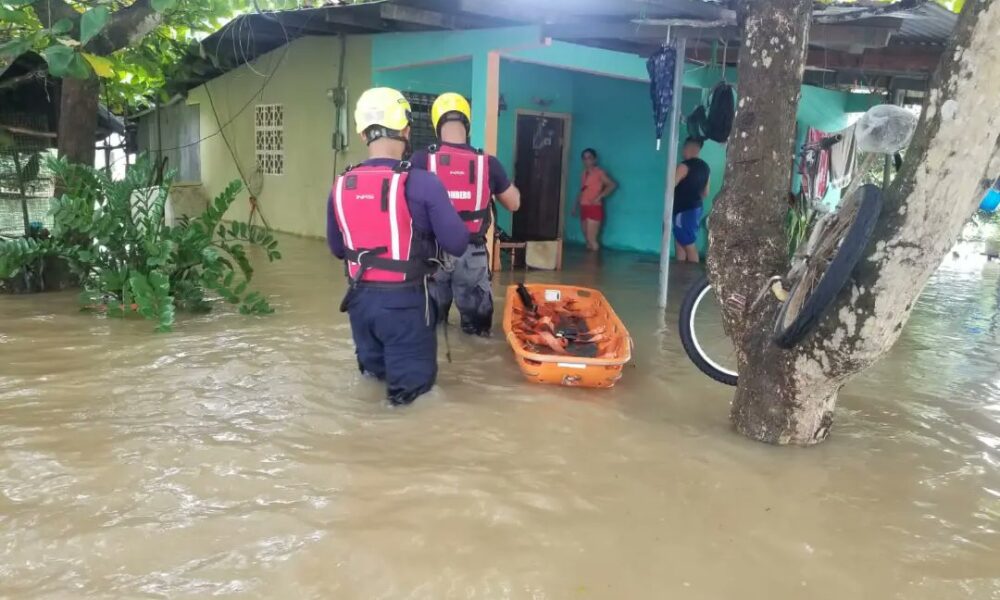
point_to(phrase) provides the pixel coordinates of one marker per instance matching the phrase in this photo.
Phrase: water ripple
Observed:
(248, 458)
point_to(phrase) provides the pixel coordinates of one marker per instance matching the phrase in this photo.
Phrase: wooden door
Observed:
(538, 173)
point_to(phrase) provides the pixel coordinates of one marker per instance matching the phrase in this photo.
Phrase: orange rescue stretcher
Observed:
(570, 336)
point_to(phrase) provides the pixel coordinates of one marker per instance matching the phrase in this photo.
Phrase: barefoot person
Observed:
(595, 186)
(689, 195)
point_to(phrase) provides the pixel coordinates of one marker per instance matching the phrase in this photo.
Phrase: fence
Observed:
(25, 181)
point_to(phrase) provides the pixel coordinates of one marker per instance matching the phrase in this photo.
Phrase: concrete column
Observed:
(485, 114)
(485, 100)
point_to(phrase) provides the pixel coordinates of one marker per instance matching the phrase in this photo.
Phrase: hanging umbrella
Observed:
(661, 87)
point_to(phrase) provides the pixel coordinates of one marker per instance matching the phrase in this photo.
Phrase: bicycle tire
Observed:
(836, 276)
(689, 339)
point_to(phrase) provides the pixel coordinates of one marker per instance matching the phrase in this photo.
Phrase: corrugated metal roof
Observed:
(929, 23)
(920, 22)
(926, 23)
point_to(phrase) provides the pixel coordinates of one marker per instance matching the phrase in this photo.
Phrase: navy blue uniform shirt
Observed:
(499, 182)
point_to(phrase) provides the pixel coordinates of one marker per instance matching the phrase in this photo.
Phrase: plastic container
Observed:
(574, 371)
(991, 201)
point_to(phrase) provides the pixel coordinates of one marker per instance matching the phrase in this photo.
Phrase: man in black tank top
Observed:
(692, 187)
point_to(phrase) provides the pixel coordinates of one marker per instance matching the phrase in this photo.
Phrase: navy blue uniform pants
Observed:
(395, 339)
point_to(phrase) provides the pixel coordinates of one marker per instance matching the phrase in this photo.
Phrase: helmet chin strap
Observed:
(376, 133)
(453, 116)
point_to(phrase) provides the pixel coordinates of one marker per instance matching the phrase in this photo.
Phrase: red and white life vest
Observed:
(466, 176)
(374, 218)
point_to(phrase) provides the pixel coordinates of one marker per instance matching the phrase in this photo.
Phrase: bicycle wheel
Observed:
(828, 267)
(702, 335)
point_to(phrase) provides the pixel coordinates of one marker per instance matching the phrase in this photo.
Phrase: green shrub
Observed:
(114, 237)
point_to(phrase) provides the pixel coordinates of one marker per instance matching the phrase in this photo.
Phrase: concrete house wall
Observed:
(604, 93)
(304, 72)
(607, 99)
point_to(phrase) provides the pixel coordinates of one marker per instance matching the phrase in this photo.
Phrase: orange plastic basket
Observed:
(570, 370)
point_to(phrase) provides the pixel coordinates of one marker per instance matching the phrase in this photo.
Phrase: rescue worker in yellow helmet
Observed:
(472, 179)
(386, 220)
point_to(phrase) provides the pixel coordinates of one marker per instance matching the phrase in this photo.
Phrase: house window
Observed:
(188, 159)
(422, 132)
(173, 134)
(269, 129)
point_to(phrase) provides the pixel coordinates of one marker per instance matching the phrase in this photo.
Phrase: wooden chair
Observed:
(512, 247)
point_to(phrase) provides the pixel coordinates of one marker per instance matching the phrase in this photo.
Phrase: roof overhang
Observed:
(903, 40)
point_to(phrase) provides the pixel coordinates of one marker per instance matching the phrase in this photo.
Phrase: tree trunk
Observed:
(952, 161)
(747, 237)
(78, 119)
(788, 397)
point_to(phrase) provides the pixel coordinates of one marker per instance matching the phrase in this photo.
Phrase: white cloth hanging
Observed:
(843, 157)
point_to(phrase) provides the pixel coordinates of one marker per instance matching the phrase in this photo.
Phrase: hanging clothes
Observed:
(815, 165)
(842, 158)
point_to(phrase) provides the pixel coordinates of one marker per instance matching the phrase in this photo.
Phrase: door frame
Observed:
(567, 118)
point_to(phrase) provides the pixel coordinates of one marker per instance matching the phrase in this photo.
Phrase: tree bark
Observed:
(78, 119)
(127, 26)
(79, 97)
(50, 11)
(954, 156)
(788, 397)
(747, 236)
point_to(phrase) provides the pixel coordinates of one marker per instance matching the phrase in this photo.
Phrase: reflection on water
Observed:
(244, 457)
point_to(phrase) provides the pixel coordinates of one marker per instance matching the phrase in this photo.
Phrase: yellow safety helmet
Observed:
(450, 107)
(384, 109)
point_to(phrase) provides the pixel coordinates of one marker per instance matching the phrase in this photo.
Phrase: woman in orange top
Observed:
(595, 186)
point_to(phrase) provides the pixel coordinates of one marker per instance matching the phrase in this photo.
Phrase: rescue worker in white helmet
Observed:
(386, 220)
(472, 179)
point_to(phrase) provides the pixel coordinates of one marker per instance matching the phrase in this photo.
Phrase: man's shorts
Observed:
(686, 226)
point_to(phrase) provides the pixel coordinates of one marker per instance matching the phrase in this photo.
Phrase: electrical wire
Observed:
(340, 85)
(251, 45)
(254, 207)
(267, 80)
(258, 93)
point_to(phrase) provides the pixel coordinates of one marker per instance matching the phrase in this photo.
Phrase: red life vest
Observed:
(466, 176)
(374, 218)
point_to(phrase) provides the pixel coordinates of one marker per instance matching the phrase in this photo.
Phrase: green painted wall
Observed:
(611, 114)
(518, 85)
(430, 79)
(391, 50)
(825, 110)
(292, 202)
(859, 103)
(596, 61)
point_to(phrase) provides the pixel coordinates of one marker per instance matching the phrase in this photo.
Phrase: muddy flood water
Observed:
(244, 457)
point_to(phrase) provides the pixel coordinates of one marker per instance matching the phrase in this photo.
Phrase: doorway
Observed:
(539, 172)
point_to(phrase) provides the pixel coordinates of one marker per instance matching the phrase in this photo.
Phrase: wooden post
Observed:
(492, 102)
(668, 196)
(22, 190)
